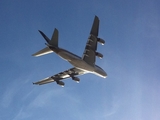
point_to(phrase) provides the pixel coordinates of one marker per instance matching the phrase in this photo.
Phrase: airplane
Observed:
(82, 65)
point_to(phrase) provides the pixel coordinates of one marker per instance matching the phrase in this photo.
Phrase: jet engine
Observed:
(76, 79)
(101, 41)
(99, 55)
(60, 83)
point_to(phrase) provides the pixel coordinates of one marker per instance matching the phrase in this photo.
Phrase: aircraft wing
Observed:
(91, 46)
(60, 76)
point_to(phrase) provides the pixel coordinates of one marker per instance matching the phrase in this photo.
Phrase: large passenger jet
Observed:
(82, 65)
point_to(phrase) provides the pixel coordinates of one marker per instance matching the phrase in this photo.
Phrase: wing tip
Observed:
(34, 55)
(40, 31)
(95, 26)
(56, 29)
(96, 17)
(33, 83)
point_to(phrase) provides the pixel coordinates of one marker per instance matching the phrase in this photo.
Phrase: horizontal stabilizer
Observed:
(45, 37)
(44, 51)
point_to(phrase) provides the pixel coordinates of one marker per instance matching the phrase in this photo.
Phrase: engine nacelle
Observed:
(99, 55)
(60, 83)
(101, 41)
(76, 79)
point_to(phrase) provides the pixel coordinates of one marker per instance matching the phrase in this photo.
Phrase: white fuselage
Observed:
(79, 63)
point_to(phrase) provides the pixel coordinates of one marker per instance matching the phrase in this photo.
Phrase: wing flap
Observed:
(44, 51)
(88, 56)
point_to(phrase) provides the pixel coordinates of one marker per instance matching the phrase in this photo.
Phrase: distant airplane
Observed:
(82, 65)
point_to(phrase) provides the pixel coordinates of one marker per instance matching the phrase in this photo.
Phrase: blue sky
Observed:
(131, 59)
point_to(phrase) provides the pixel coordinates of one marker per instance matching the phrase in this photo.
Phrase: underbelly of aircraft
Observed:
(82, 65)
(76, 61)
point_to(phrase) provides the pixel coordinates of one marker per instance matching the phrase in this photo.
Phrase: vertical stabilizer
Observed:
(54, 39)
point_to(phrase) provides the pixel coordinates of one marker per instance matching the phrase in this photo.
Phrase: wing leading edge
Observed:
(91, 45)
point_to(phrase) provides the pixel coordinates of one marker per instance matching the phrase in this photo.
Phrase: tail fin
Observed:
(52, 42)
(54, 39)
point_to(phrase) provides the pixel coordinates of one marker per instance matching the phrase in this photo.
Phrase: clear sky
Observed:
(131, 29)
